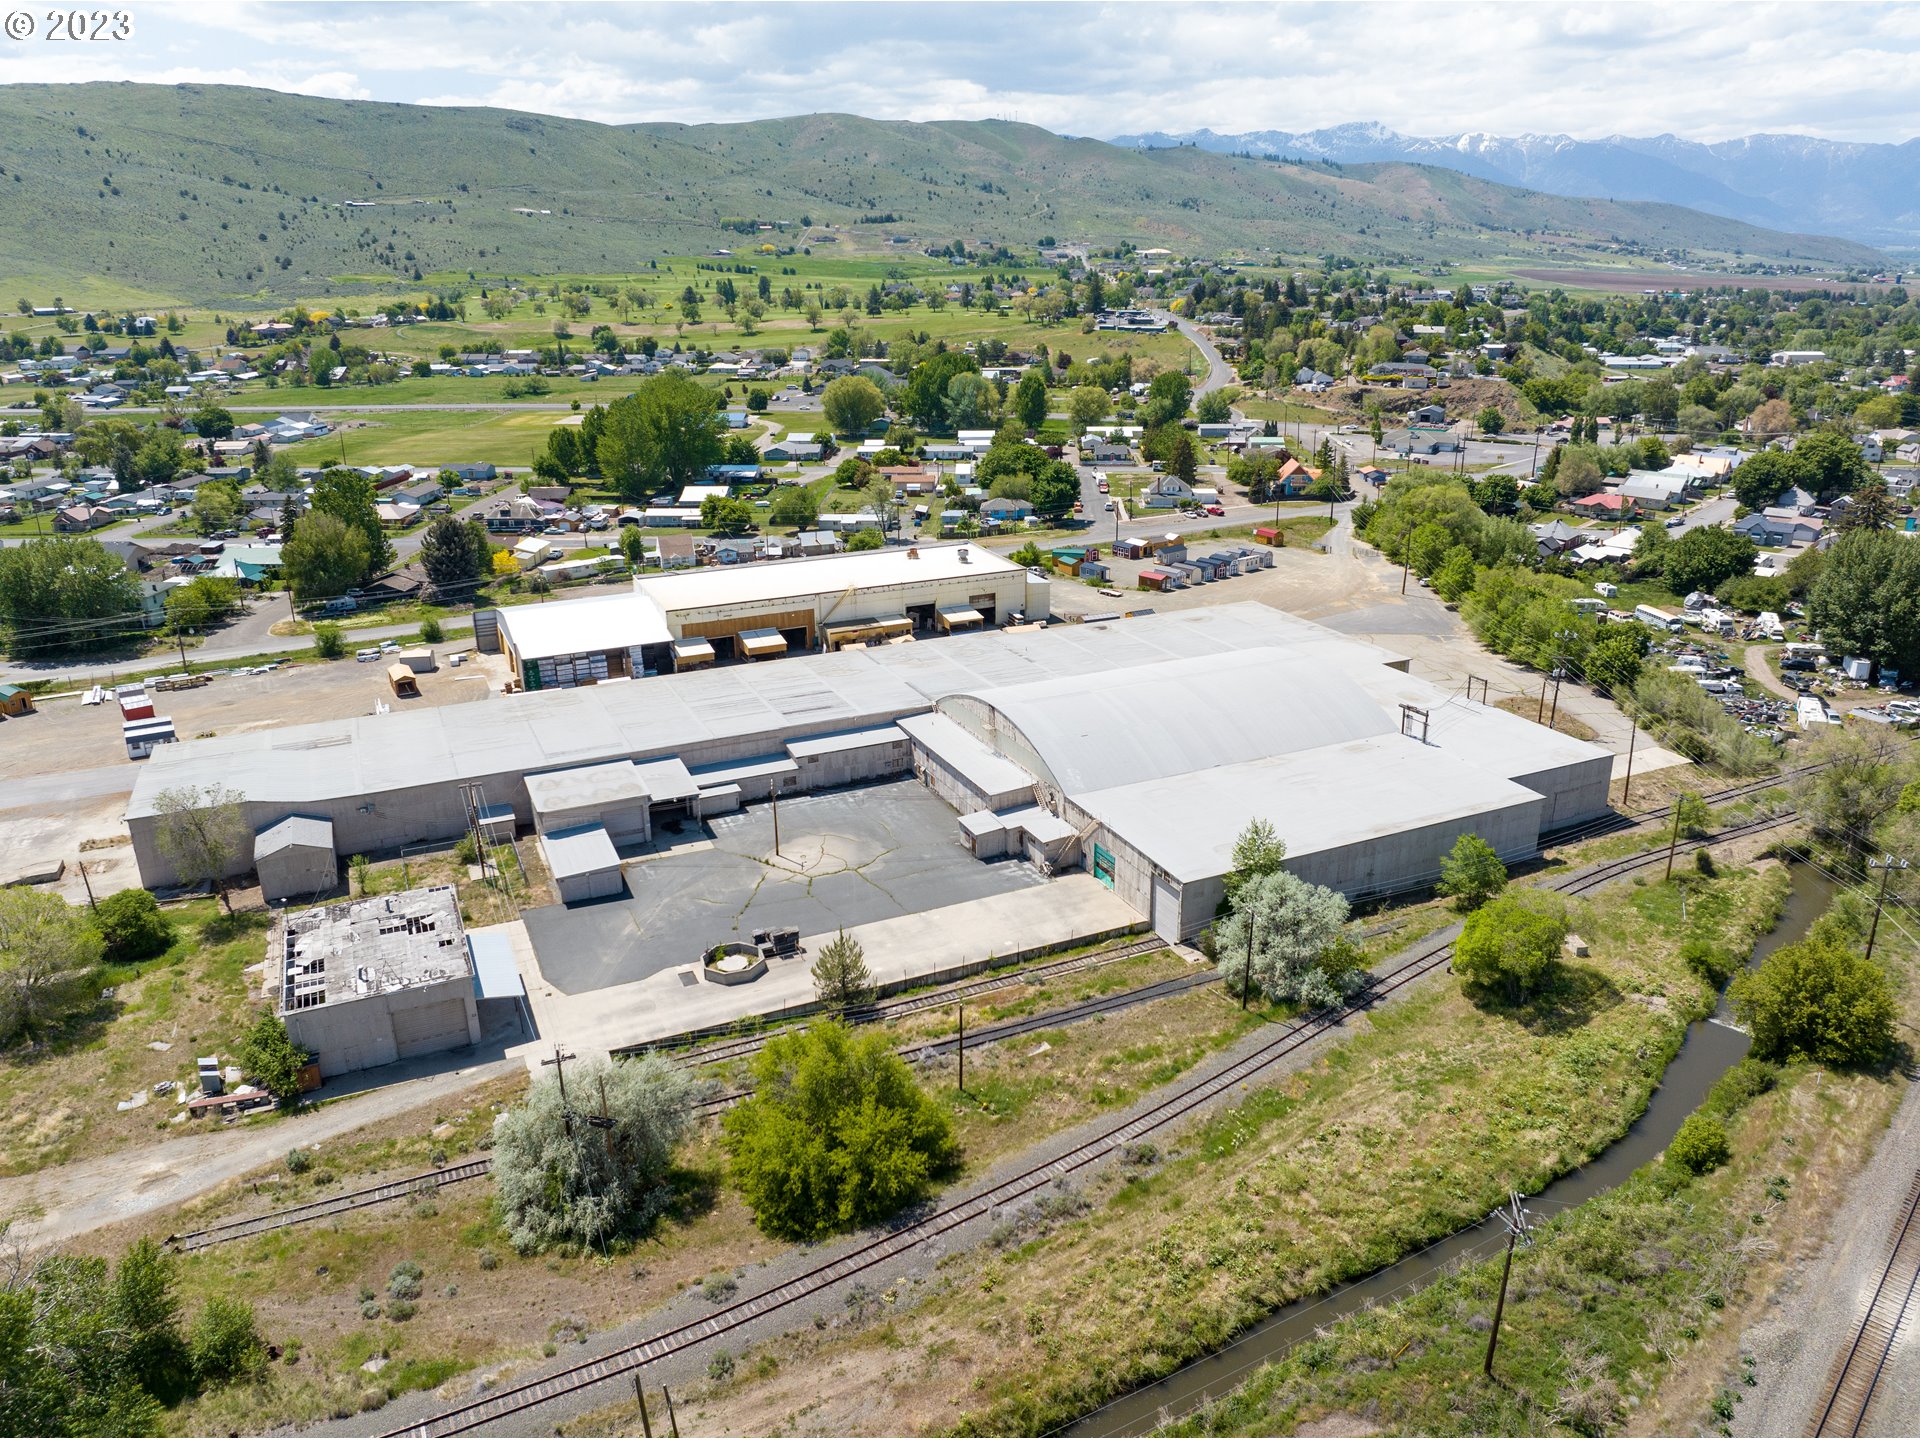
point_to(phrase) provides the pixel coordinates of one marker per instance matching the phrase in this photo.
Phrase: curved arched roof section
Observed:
(1094, 732)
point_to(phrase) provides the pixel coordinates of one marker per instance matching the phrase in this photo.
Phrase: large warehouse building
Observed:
(1136, 749)
(672, 623)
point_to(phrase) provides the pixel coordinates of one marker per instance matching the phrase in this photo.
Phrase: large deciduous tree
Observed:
(325, 557)
(836, 1134)
(560, 1181)
(663, 436)
(1286, 935)
(852, 403)
(64, 594)
(457, 556)
(202, 832)
(48, 955)
(1866, 600)
(350, 497)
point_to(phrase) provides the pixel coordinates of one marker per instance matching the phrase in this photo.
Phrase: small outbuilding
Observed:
(406, 685)
(15, 702)
(584, 864)
(296, 857)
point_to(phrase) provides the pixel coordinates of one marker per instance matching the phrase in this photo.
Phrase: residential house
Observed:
(1606, 506)
(1098, 450)
(795, 447)
(1552, 537)
(912, 479)
(78, 519)
(1779, 528)
(1167, 492)
(1004, 510)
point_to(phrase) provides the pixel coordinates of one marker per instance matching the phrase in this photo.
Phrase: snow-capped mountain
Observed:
(1787, 182)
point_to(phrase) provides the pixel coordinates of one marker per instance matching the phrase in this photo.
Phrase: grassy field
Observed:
(57, 1099)
(1441, 1104)
(429, 437)
(310, 1285)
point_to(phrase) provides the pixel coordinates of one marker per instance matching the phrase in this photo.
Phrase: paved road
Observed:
(1219, 373)
(1710, 512)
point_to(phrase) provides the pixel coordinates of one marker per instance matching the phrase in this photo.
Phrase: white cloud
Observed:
(1702, 71)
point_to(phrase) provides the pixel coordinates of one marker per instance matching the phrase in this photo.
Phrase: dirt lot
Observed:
(70, 736)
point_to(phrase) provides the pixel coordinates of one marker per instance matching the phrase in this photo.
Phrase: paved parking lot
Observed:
(847, 857)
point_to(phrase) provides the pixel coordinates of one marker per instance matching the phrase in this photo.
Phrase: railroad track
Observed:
(735, 1049)
(1856, 1374)
(333, 1205)
(709, 1105)
(1176, 1105)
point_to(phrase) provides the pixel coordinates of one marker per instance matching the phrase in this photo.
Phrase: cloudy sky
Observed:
(1702, 71)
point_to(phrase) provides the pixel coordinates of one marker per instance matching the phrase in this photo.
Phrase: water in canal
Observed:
(1710, 1048)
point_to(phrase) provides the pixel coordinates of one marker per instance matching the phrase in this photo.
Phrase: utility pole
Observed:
(962, 1050)
(603, 1122)
(1886, 865)
(1246, 975)
(773, 791)
(559, 1063)
(94, 905)
(1633, 735)
(1673, 840)
(1515, 1219)
(1540, 715)
(640, 1394)
(672, 1420)
(1553, 716)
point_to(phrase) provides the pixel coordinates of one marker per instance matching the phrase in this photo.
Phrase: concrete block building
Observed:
(295, 858)
(375, 980)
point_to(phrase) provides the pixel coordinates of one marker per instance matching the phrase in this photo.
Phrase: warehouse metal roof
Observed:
(1318, 800)
(307, 830)
(579, 850)
(803, 579)
(1178, 716)
(371, 755)
(581, 627)
(558, 791)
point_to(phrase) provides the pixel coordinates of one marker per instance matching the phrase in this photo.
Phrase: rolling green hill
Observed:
(115, 193)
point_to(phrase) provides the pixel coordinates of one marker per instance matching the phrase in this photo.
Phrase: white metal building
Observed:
(1150, 739)
(296, 858)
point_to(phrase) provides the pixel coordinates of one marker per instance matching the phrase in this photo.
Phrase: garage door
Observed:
(427, 1028)
(1166, 909)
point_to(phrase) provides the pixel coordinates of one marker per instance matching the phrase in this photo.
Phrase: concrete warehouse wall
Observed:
(948, 784)
(359, 1034)
(1573, 792)
(298, 870)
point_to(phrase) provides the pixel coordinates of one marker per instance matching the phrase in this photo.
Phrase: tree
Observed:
(48, 955)
(1471, 873)
(851, 404)
(795, 505)
(1870, 507)
(1490, 420)
(202, 833)
(1258, 850)
(1213, 408)
(1854, 778)
(457, 556)
(202, 602)
(226, 1344)
(1830, 463)
(268, 1053)
(147, 1309)
(1087, 405)
(1167, 397)
(836, 1134)
(663, 436)
(1699, 1145)
(1290, 928)
(211, 422)
(133, 926)
(841, 980)
(1030, 400)
(1820, 1000)
(726, 516)
(866, 540)
(559, 1181)
(329, 640)
(1705, 557)
(64, 594)
(217, 506)
(927, 397)
(1866, 600)
(970, 402)
(324, 558)
(1762, 479)
(1613, 661)
(1510, 947)
(1455, 575)
(349, 497)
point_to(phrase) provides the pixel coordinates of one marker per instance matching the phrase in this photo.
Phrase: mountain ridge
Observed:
(227, 193)
(1866, 191)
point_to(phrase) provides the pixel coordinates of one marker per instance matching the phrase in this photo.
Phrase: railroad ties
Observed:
(1856, 1374)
